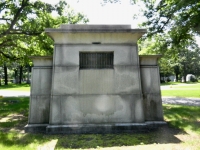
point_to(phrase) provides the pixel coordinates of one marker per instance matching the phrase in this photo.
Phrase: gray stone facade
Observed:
(68, 99)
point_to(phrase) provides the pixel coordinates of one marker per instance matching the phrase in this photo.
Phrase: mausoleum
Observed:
(95, 82)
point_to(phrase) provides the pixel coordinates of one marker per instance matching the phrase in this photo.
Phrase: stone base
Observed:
(35, 128)
(94, 128)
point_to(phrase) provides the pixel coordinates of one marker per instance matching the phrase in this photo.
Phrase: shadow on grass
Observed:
(162, 135)
(10, 105)
(10, 138)
(183, 117)
(75, 141)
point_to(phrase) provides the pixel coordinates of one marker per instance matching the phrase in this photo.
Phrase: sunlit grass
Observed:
(16, 87)
(185, 118)
(181, 93)
(181, 90)
(179, 83)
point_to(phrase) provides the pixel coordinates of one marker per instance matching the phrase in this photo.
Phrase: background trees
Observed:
(174, 24)
(171, 29)
(178, 19)
(22, 24)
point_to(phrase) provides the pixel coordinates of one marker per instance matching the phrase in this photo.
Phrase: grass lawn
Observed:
(183, 132)
(16, 87)
(181, 89)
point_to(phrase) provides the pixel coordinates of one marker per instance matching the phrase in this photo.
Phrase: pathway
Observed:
(10, 93)
(181, 101)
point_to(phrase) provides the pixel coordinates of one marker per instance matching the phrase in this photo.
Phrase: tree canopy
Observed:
(172, 26)
(171, 29)
(22, 24)
(180, 16)
(178, 19)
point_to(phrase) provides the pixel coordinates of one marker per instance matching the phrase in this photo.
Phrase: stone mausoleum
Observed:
(95, 82)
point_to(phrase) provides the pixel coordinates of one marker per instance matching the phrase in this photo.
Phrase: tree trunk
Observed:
(20, 74)
(184, 73)
(176, 71)
(5, 75)
(176, 77)
(28, 78)
(16, 78)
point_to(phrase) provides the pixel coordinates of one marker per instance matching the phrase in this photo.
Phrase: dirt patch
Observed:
(12, 117)
(48, 146)
(15, 122)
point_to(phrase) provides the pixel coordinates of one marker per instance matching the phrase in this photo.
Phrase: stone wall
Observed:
(40, 90)
(68, 99)
(150, 78)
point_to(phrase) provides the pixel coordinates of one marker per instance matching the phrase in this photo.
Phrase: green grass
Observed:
(10, 105)
(181, 89)
(179, 83)
(16, 87)
(181, 93)
(182, 120)
(186, 118)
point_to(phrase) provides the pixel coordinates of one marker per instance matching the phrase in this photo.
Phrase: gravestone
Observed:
(95, 82)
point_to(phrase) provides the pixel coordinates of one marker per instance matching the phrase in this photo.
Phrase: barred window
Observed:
(96, 60)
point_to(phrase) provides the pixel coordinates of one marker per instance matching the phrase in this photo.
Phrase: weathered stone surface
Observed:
(42, 61)
(68, 55)
(40, 90)
(88, 34)
(97, 81)
(69, 99)
(150, 79)
(39, 109)
(149, 60)
(105, 128)
(72, 109)
(65, 80)
(153, 107)
(127, 80)
(41, 81)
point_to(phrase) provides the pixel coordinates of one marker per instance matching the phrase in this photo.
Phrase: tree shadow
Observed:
(183, 117)
(162, 135)
(178, 116)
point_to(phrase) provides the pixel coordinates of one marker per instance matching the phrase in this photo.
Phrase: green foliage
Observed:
(179, 19)
(22, 27)
(172, 26)
(193, 79)
(174, 60)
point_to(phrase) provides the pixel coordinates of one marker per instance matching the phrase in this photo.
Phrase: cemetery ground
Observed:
(181, 132)
(175, 89)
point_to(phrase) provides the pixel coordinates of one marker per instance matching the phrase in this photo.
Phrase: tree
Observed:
(174, 61)
(172, 26)
(22, 28)
(23, 23)
(179, 18)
